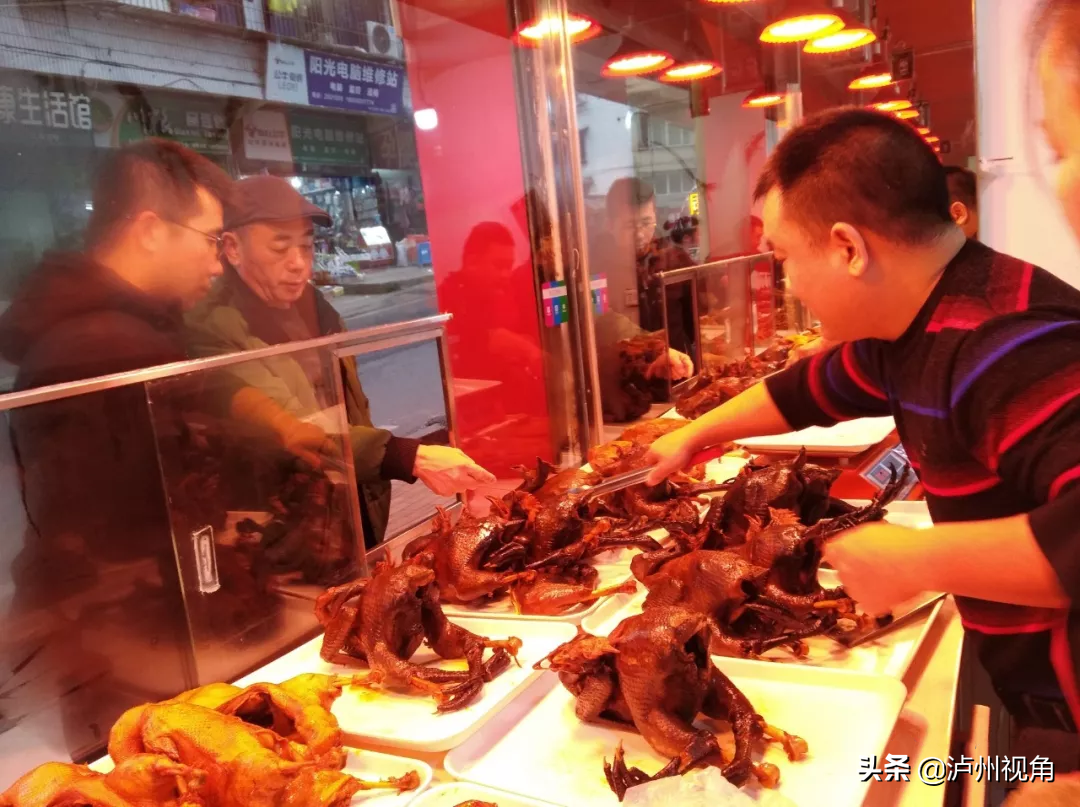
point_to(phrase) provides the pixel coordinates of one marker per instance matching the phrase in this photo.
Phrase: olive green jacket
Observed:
(220, 324)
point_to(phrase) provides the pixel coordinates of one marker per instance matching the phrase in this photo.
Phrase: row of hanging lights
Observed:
(823, 29)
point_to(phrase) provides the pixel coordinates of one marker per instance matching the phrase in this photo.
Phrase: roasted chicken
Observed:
(654, 674)
(380, 622)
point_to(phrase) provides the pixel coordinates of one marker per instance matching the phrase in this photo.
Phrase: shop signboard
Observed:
(266, 136)
(329, 140)
(45, 111)
(296, 75)
(197, 123)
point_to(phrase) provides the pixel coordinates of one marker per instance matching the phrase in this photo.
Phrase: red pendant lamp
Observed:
(578, 28)
(691, 71)
(853, 35)
(893, 105)
(633, 59)
(874, 75)
(800, 20)
(763, 97)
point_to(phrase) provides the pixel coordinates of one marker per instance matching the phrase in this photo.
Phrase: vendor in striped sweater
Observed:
(977, 357)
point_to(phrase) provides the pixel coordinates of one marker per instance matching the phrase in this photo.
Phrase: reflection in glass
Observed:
(406, 394)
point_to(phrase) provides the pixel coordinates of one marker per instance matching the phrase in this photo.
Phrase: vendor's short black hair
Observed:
(862, 167)
(629, 192)
(962, 186)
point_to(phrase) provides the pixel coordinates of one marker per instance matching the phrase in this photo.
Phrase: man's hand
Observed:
(670, 454)
(308, 442)
(447, 471)
(877, 565)
(808, 349)
(673, 364)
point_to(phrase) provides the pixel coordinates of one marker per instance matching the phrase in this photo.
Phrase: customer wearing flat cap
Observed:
(265, 298)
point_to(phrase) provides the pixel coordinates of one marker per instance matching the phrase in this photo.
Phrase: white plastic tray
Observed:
(407, 719)
(364, 764)
(843, 716)
(891, 654)
(454, 793)
(611, 574)
(842, 440)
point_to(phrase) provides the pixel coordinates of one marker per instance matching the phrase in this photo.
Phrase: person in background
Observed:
(963, 200)
(975, 354)
(632, 240)
(98, 526)
(265, 298)
(151, 251)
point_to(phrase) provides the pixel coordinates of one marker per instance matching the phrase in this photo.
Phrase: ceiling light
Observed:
(763, 97)
(873, 76)
(801, 20)
(848, 38)
(578, 29)
(923, 130)
(426, 119)
(727, 2)
(689, 71)
(894, 105)
(907, 114)
(931, 139)
(633, 60)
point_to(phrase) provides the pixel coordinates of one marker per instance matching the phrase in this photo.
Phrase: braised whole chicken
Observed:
(379, 623)
(216, 746)
(460, 552)
(654, 675)
(145, 779)
(759, 586)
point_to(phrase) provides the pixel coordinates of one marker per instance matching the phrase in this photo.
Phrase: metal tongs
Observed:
(631, 478)
(914, 609)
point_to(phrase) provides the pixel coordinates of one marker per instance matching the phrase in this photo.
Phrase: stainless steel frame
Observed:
(693, 274)
(56, 392)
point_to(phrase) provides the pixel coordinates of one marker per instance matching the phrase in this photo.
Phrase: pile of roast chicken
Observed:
(722, 379)
(739, 582)
(217, 746)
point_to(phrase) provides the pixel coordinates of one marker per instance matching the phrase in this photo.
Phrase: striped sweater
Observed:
(985, 389)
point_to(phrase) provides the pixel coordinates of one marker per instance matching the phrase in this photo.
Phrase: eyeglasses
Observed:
(216, 240)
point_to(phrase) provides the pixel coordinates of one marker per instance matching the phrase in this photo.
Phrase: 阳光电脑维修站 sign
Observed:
(296, 75)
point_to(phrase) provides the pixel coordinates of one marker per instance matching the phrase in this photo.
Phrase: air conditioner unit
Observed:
(384, 41)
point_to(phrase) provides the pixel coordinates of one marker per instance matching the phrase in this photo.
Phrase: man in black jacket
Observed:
(94, 501)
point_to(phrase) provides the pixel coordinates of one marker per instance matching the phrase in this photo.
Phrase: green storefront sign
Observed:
(199, 124)
(329, 140)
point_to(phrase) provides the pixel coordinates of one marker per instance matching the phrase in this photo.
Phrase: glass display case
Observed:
(188, 544)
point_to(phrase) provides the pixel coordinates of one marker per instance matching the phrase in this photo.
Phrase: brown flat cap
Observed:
(269, 198)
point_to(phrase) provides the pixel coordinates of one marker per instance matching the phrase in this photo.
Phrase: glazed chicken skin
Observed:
(240, 769)
(654, 674)
(460, 551)
(379, 623)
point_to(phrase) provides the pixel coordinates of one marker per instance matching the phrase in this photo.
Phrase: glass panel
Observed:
(670, 181)
(91, 612)
(405, 389)
(259, 531)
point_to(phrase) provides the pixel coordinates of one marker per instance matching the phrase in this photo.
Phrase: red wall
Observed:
(471, 170)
